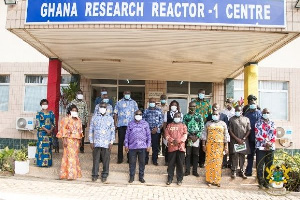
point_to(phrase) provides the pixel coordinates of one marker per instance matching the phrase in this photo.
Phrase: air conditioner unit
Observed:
(25, 123)
(284, 136)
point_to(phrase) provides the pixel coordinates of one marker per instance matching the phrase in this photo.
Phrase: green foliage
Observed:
(20, 155)
(6, 159)
(32, 143)
(69, 93)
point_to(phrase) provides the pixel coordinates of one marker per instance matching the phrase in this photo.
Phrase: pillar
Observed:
(229, 88)
(250, 80)
(53, 87)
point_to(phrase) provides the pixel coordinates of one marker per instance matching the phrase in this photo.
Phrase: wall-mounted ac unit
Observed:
(25, 123)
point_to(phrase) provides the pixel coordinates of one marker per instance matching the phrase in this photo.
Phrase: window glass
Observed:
(195, 86)
(4, 79)
(131, 82)
(104, 81)
(177, 87)
(33, 95)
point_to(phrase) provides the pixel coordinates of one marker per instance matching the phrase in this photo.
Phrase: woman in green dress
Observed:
(45, 124)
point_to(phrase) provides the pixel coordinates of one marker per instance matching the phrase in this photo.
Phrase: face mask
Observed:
(163, 101)
(266, 116)
(103, 92)
(138, 117)
(102, 110)
(79, 96)
(105, 100)
(215, 117)
(44, 107)
(127, 96)
(152, 105)
(201, 96)
(237, 114)
(177, 119)
(74, 114)
(173, 108)
(252, 106)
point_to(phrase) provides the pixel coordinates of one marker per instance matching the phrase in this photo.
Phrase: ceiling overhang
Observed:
(155, 54)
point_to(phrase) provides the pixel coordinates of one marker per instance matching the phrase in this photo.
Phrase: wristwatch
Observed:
(244, 138)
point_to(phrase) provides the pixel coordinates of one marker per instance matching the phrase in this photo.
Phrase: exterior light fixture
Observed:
(297, 4)
(181, 82)
(128, 81)
(10, 2)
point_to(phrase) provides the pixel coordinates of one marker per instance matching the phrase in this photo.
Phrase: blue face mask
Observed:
(127, 96)
(266, 116)
(103, 92)
(252, 106)
(152, 105)
(105, 100)
(215, 117)
(237, 114)
(201, 96)
(163, 101)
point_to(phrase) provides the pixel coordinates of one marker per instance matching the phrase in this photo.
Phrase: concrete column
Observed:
(250, 80)
(53, 87)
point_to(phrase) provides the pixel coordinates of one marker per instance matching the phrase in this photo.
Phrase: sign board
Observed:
(155, 94)
(260, 13)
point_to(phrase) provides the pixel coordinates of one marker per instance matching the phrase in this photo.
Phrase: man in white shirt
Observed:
(229, 110)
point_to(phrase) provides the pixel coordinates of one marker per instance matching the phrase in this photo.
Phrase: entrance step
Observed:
(119, 173)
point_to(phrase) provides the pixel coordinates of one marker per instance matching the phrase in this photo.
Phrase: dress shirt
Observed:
(138, 135)
(154, 117)
(125, 110)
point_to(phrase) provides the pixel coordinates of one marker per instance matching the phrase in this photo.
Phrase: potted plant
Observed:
(21, 162)
(31, 149)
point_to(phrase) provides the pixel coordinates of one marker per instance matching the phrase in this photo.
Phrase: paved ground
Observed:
(23, 188)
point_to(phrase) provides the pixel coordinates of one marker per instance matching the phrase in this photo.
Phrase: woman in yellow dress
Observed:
(71, 134)
(215, 140)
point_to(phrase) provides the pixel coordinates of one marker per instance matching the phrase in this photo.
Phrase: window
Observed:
(4, 92)
(272, 95)
(35, 91)
(178, 87)
(238, 90)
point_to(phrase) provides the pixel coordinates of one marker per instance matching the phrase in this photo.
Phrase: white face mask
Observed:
(74, 114)
(177, 119)
(44, 107)
(173, 108)
(79, 96)
(138, 117)
(102, 110)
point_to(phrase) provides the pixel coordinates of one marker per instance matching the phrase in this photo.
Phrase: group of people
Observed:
(204, 136)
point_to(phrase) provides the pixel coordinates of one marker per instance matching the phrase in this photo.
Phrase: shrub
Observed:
(20, 155)
(6, 159)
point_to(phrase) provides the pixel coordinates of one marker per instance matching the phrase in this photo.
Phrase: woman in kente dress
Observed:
(215, 140)
(45, 124)
(71, 134)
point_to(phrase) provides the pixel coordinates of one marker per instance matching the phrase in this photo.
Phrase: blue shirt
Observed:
(102, 130)
(109, 110)
(138, 135)
(125, 110)
(154, 117)
(253, 117)
(99, 100)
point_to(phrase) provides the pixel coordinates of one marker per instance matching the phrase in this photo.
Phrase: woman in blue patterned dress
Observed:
(45, 124)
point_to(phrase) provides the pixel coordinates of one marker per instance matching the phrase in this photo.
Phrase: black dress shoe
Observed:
(81, 151)
(156, 164)
(120, 161)
(248, 174)
(94, 179)
(142, 180)
(196, 174)
(201, 165)
(187, 173)
(169, 182)
(179, 183)
(131, 180)
(103, 180)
